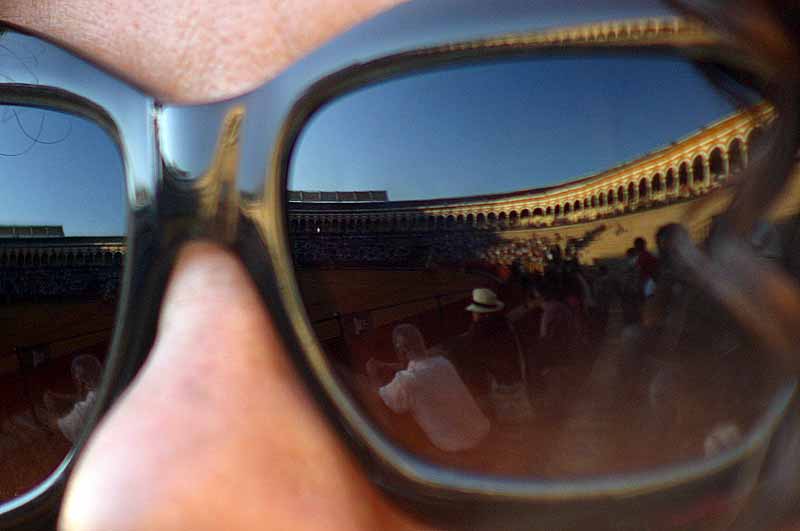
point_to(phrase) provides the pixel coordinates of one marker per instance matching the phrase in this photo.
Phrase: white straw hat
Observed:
(484, 301)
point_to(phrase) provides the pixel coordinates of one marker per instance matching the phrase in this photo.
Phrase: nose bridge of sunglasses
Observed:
(199, 151)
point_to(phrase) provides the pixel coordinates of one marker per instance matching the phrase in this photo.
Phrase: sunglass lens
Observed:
(62, 248)
(488, 256)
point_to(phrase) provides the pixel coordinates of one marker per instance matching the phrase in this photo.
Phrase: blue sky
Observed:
(502, 126)
(57, 169)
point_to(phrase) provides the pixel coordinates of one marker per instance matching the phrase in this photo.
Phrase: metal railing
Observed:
(437, 301)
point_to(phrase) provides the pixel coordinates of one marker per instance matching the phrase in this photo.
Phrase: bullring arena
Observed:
(366, 264)
(693, 167)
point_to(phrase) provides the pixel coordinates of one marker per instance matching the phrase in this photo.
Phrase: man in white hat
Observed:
(488, 350)
(484, 303)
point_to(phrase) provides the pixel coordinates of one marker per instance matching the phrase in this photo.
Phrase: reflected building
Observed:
(661, 184)
(30, 256)
(47, 245)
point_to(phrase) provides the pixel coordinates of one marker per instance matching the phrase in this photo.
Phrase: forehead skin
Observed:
(188, 51)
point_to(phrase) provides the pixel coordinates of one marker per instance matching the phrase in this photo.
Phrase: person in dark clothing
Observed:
(648, 266)
(488, 349)
(557, 327)
(630, 290)
(603, 292)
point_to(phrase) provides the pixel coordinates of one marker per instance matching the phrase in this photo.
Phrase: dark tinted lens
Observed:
(484, 252)
(62, 245)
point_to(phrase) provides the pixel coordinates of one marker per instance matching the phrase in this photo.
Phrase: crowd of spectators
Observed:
(423, 250)
(545, 337)
(35, 283)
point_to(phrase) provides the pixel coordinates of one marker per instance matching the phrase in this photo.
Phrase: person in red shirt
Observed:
(647, 264)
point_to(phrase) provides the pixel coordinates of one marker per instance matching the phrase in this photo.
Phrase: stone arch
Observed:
(644, 191)
(513, 218)
(567, 208)
(610, 198)
(577, 206)
(631, 192)
(538, 212)
(655, 183)
(480, 220)
(669, 181)
(557, 210)
(549, 211)
(698, 169)
(621, 194)
(470, 219)
(683, 175)
(593, 201)
(491, 219)
(717, 164)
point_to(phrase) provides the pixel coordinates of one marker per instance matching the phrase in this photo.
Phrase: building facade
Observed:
(691, 167)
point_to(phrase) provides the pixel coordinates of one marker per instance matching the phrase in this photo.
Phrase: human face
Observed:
(183, 51)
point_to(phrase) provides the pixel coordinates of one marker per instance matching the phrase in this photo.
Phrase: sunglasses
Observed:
(539, 273)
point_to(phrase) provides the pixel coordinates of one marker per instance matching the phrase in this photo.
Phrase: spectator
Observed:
(557, 326)
(431, 389)
(86, 372)
(630, 289)
(647, 264)
(488, 349)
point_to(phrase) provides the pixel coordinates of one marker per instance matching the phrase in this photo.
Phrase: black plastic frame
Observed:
(163, 216)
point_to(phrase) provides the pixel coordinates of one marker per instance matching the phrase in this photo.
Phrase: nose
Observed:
(217, 431)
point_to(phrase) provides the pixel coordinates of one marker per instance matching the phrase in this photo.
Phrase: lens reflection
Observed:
(61, 255)
(486, 255)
